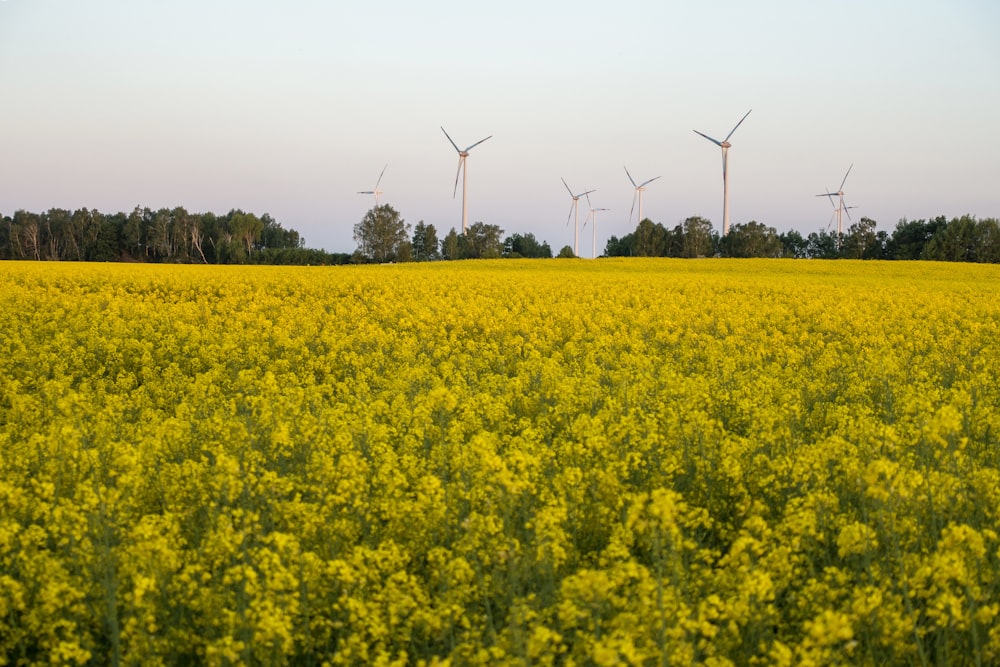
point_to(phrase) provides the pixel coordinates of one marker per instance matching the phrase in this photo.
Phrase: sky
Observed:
(292, 108)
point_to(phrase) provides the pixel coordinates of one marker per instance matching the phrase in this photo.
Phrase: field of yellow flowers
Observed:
(720, 462)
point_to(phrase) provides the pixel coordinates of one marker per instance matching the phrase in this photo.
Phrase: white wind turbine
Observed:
(840, 210)
(593, 214)
(725, 145)
(376, 191)
(573, 209)
(462, 154)
(639, 189)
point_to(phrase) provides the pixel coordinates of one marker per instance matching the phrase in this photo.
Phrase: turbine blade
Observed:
(366, 192)
(476, 144)
(587, 193)
(630, 178)
(461, 163)
(846, 175)
(450, 141)
(567, 187)
(589, 205)
(714, 141)
(570, 216)
(381, 175)
(644, 184)
(829, 195)
(632, 210)
(845, 209)
(737, 125)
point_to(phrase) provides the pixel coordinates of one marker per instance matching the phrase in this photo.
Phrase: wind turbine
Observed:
(462, 154)
(639, 189)
(841, 209)
(376, 191)
(593, 214)
(725, 145)
(573, 209)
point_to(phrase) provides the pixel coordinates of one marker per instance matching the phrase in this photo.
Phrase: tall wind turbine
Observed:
(841, 209)
(725, 145)
(574, 210)
(593, 214)
(376, 191)
(639, 189)
(462, 154)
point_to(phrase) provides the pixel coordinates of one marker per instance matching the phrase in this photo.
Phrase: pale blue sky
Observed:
(291, 108)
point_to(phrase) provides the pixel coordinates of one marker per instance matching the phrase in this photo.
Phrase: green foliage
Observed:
(693, 238)
(382, 236)
(566, 253)
(620, 247)
(525, 245)
(751, 239)
(163, 235)
(861, 241)
(425, 243)
(651, 240)
(450, 245)
(482, 241)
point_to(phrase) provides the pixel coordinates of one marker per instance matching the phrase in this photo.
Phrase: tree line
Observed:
(383, 236)
(238, 237)
(164, 235)
(963, 239)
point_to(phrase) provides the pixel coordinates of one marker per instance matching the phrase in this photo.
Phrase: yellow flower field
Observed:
(720, 462)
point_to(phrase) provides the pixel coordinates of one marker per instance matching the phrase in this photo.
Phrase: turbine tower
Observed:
(639, 189)
(376, 191)
(574, 210)
(840, 210)
(462, 154)
(593, 214)
(725, 145)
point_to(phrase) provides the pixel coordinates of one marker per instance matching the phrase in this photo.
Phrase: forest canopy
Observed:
(238, 237)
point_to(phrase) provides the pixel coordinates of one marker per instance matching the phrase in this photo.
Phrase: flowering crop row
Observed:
(607, 462)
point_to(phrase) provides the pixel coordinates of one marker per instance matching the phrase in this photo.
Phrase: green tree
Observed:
(425, 243)
(566, 252)
(244, 229)
(483, 241)
(822, 245)
(620, 247)
(861, 241)
(988, 235)
(910, 237)
(26, 233)
(962, 239)
(751, 239)
(525, 245)
(56, 232)
(693, 238)
(794, 245)
(381, 234)
(450, 247)
(651, 239)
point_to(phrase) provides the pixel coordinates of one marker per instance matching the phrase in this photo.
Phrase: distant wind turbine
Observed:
(574, 210)
(462, 155)
(639, 189)
(593, 214)
(840, 210)
(376, 191)
(725, 145)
